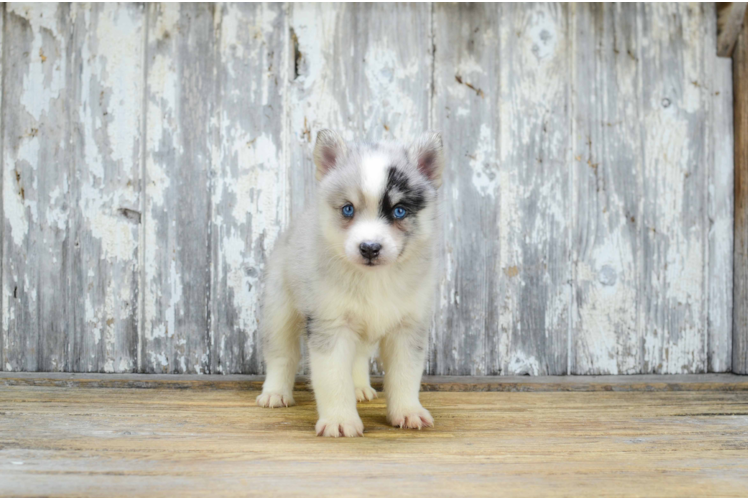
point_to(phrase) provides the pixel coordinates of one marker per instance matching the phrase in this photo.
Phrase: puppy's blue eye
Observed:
(399, 212)
(348, 211)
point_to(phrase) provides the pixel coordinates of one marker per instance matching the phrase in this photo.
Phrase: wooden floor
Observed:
(164, 441)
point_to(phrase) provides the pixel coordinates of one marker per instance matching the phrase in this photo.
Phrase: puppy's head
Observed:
(377, 201)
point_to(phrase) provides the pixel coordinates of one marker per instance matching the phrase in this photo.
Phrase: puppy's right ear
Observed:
(328, 150)
(429, 156)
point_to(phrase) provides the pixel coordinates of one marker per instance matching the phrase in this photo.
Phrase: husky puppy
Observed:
(357, 270)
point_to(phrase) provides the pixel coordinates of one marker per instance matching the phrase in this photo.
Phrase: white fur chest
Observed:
(375, 303)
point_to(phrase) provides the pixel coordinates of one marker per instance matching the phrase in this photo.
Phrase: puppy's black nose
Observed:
(370, 250)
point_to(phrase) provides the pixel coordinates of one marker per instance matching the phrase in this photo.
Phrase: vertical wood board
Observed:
(675, 140)
(534, 137)
(106, 112)
(180, 95)
(249, 176)
(3, 327)
(36, 188)
(466, 111)
(740, 294)
(606, 191)
(721, 212)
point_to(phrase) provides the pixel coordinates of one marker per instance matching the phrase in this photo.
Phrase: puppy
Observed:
(354, 271)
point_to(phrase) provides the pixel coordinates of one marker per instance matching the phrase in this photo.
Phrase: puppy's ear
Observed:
(328, 150)
(428, 154)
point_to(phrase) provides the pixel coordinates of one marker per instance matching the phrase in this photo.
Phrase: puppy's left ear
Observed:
(427, 152)
(328, 150)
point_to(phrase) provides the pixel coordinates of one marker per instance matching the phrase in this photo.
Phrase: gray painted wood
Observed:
(151, 156)
(606, 191)
(36, 188)
(740, 283)
(721, 211)
(105, 106)
(180, 94)
(466, 110)
(3, 329)
(674, 45)
(533, 236)
(249, 175)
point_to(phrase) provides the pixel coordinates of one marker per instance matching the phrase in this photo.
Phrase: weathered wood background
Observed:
(152, 154)
(740, 81)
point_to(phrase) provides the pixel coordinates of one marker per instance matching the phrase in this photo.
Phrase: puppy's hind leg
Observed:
(281, 329)
(361, 369)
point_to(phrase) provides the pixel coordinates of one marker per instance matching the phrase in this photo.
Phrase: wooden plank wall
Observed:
(740, 333)
(153, 153)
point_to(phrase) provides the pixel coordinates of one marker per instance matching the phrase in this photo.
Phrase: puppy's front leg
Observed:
(404, 353)
(331, 355)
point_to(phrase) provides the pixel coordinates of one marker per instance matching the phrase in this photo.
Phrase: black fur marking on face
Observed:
(412, 199)
(308, 326)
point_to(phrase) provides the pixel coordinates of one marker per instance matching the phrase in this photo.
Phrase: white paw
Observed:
(274, 400)
(340, 427)
(365, 394)
(412, 418)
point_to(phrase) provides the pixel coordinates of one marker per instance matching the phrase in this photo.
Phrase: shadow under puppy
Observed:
(357, 269)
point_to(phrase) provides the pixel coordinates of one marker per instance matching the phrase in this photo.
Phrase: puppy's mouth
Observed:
(372, 262)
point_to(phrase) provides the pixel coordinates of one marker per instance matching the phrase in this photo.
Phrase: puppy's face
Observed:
(377, 200)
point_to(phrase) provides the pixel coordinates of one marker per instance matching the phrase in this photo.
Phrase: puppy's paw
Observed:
(271, 399)
(340, 427)
(365, 394)
(411, 418)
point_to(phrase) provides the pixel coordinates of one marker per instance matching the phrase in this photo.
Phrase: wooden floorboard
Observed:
(75, 441)
(574, 383)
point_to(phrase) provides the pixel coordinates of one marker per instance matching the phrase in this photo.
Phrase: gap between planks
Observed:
(564, 383)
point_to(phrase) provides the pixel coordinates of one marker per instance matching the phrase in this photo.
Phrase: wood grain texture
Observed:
(92, 442)
(3, 328)
(606, 191)
(534, 243)
(37, 197)
(730, 16)
(429, 383)
(675, 43)
(721, 213)
(740, 283)
(151, 156)
(249, 176)
(106, 107)
(181, 95)
(466, 109)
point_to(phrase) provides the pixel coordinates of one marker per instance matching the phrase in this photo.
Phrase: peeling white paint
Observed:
(721, 212)
(43, 82)
(483, 163)
(163, 284)
(15, 208)
(387, 78)
(524, 364)
(315, 107)
(518, 159)
(608, 310)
